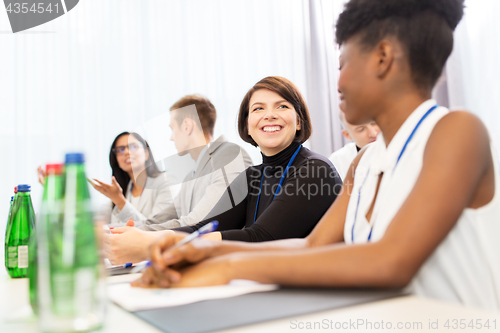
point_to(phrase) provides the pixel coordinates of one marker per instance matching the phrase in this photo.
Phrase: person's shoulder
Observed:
(254, 171)
(310, 158)
(226, 149)
(460, 128)
(314, 165)
(460, 134)
(157, 182)
(346, 153)
(308, 154)
(348, 148)
(467, 121)
(226, 152)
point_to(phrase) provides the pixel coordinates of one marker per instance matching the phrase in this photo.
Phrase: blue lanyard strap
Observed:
(399, 157)
(413, 132)
(280, 183)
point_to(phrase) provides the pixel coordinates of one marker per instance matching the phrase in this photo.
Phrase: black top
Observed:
(309, 188)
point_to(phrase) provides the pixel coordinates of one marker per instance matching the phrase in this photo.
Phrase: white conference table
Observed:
(411, 312)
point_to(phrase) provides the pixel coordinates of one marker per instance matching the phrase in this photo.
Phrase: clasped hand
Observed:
(174, 266)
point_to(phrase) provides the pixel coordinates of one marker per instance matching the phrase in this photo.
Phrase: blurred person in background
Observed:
(216, 164)
(361, 135)
(134, 194)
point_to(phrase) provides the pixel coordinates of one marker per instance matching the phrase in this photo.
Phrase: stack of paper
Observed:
(135, 299)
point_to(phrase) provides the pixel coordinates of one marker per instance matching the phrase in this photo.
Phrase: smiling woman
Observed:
(287, 194)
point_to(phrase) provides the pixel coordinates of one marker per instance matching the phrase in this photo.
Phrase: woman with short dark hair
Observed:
(287, 194)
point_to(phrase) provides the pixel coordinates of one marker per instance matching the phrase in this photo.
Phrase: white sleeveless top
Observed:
(465, 267)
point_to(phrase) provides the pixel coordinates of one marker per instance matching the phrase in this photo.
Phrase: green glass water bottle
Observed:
(21, 229)
(53, 193)
(7, 230)
(10, 209)
(8, 216)
(70, 280)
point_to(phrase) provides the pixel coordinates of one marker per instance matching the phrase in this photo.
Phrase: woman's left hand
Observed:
(113, 191)
(211, 272)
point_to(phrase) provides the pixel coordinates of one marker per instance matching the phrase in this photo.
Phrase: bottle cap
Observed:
(15, 190)
(24, 188)
(74, 158)
(54, 168)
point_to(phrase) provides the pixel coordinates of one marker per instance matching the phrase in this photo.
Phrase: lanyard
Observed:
(413, 132)
(279, 185)
(399, 157)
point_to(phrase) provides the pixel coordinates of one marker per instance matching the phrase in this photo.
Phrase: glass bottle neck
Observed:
(75, 181)
(54, 187)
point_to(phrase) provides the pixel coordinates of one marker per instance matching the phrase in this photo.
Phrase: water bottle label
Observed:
(22, 256)
(12, 257)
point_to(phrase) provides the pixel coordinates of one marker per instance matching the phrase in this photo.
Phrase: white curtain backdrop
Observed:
(473, 69)
(322, 75)
(76, 82)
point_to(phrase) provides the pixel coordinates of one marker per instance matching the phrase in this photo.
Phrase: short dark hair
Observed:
(121, 176)
(290, 93)
(206, 111)
(424, 28)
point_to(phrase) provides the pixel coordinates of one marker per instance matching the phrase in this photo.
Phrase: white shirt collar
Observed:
(385, 158)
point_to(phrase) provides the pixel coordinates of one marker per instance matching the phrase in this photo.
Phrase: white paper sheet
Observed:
(113, 279)
(135, 299)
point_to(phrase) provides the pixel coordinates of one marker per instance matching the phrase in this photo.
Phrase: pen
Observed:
(129, 264)
(207, 228)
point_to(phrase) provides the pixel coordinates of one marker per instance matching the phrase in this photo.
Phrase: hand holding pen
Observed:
(171, 251)
(163, 249)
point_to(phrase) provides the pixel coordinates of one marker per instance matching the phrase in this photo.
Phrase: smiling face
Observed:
(130, 154)
(272, 121)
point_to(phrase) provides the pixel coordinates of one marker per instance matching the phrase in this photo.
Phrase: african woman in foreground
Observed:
(419, 207)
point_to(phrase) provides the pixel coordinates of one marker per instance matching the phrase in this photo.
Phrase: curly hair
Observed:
(424, 28)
